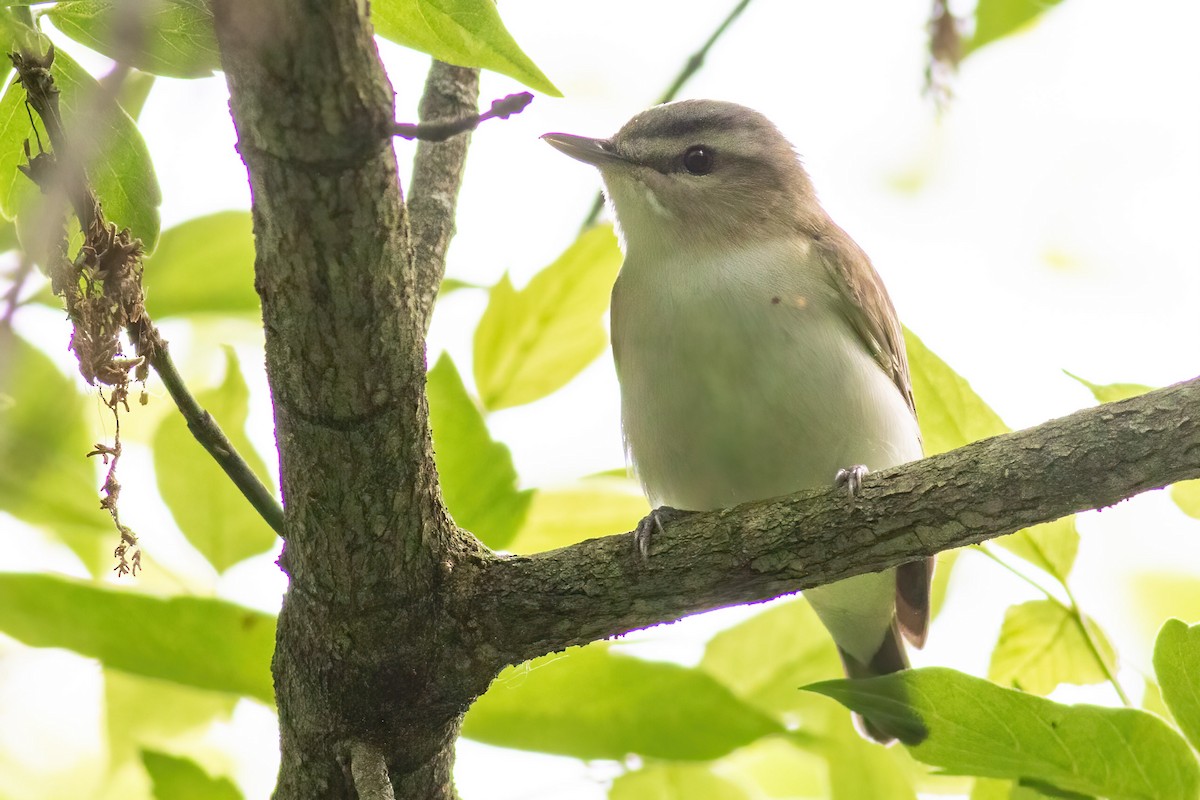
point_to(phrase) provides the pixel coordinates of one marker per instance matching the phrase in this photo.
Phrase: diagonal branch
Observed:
(118, 256)
(450, 92)
(532, 605)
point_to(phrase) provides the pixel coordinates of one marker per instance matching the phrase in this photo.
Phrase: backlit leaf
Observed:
(563, 516)
(204, 266)
(667, 781)
(468, 33)
(1177, 664)
(194, 641)
(1041, 646)
(214, 516)
(479, 481)
(120, 169)
(995, 19)
(532, 341)
(970, 726)
(592, 703)
(173, 38)
(176, 778)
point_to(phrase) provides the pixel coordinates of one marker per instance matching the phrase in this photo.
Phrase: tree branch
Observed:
(119, 254)
(436, 179)
(370, 773)
(532, 605)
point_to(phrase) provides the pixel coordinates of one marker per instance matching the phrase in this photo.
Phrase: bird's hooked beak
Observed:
(597, 152)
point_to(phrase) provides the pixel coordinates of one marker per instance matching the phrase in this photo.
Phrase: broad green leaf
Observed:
(765, 660)
(531, 342)
(1041, 646)
(994, 789)
(1111, 392)
(204, 266)
(675, 782)
(1186, 495)
(176, 778)
(479, 482)
(969, 726)
(592, 508)
(468, 33)
(1177, 664)
(173, 38)
(120, 170)
(145, 712)
(951, 415)
(1051, 546)
(214, 516)
(48, 480)
(950, 412)
(861, 769)
(592, 703)
(779, 768)
(200, 642)
(8, 236)
(995, 19)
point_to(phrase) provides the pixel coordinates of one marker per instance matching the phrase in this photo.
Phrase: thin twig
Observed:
(109, 256)
(438, 168)
(210, 436)
(690, 67)
(441, 131)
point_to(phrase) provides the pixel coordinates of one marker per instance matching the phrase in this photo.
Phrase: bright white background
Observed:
(1047, 220)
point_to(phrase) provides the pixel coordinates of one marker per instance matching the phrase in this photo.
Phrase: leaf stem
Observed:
(1071, 607)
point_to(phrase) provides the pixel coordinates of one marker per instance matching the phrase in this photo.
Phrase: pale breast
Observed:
(741, 380)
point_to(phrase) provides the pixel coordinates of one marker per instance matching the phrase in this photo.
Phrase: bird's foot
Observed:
(650, 525)
(851, 478)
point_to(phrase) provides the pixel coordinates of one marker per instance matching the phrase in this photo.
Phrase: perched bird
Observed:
(757, 350)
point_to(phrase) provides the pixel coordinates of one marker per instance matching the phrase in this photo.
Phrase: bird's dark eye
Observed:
(698, 160)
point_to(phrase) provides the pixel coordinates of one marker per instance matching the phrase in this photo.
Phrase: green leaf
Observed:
(133, 90)
(177, 778)
(861, 769)
(479, 481)
(779, 768)
(765, 660)
(531, 342)
(173, 38)
(949, 411)
(121, 172)
(1041, 646)
(204, 266)
(214, 516)
(1111, 392)
(675, 782)
(1177, 664)
(141, 712)
(200, 642)
(48, 480)
(1186, 495)
(1051, 546)
(951, 415)
(995, 19)
(595, 507)
(467, 33)
(969, 726)
(592, 703)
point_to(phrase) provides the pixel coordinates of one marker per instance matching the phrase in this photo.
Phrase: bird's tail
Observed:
(889, 658)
